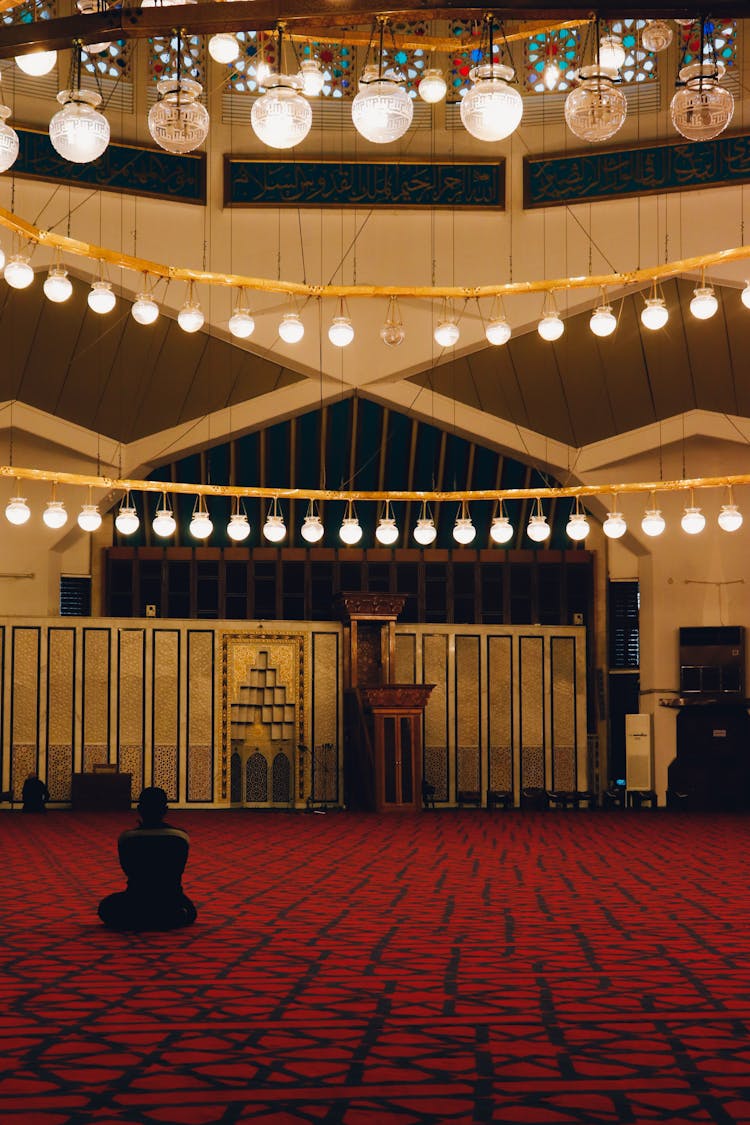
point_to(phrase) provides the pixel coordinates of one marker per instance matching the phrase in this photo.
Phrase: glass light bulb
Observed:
(18, 272)
(730, 518)
(701, 108)
(101, 299)
(2, 258)
(386, 532)
(497, 331)
(164, 523)
(178, 122)
(693, 521)
(312, 529)
(653, 522)
(224, 47)
(274, 529)
(447, 333)
(501, 530)
(57, 285)
(596, 109)
(341, 331)
(291, 328)
(464, 531)
(281, 118)
(614, 527)
(382, 111)
(550, 327)
(17, 511)
(611, 52)
(432, 86)
(538, 529)
(656, 314)
(37, 62)
(126, 520)
(656, 35)
(78, 131)
(703, 304)
(425, 532)
(89, 518)
(238, 527)
(312, 77)
(145, 309)
(54, 514)
(241, 324)
(201, 525)
(491, 110)
(603, 321)
(350, 532)
(8, 141)
(190, 317)
(745, 295)
(550, 75)
(578, 527)
(392, 333)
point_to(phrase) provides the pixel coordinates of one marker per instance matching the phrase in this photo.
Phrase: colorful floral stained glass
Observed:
(338, 61)
(464, 58)
(412, 62)
(640, 64)
(254, 49)
(29, 11)
(551, 54)
(113, 63)
(162, 57)
(723, 33)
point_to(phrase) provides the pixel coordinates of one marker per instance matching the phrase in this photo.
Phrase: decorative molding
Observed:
(383, 607)
(397, 697)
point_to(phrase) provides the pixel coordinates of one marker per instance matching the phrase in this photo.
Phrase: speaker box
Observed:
(712, 661)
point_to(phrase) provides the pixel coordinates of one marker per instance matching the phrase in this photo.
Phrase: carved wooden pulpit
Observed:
(383, 719)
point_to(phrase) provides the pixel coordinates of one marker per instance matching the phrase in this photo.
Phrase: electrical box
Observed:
(639, 757)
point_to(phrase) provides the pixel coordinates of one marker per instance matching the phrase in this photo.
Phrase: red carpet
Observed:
(554, 967)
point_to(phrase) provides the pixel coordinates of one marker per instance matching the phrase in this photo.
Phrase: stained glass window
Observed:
(162, 52)
(640, 64)
(113, 63)
(724, 34)
(29, 11)
(551, 58)
(464, 58)
(412, 62)
(339, 65)
(254, 48)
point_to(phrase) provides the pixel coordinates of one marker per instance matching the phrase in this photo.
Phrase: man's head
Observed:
(152, 805)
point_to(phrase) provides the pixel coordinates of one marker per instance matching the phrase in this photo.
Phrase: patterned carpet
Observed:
(550, 968)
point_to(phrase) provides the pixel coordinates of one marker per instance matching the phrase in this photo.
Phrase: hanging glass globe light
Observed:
(745, 295)
(596, 109)
(341, 331)
(8, 141)
(78, 131)
(350, 531)
(447, 333)
(730, 517)
(578, 526)
(603, 321)
(17, 511)
(54, 514)
(126, 520)
(2, 258)
(653, 522)
(238, 528)
(655, 315)
(538, 529)
(551, 327)
(491, 110)
(614, 527)
(701, 108)
(224, 47)
(101, 299)
(190, 317)
(656, 35)
(241, 323)
(281, 118)
(382, 111)
(57, 285)
(425, 532)
(37, 63)
(392, 333)
(201, 525)
(18, 272)
(497, 331)
(89, 518)
(693, 521)
(432, 86)
(611, 52)
(164, 523)
(312, 529)
(145, 309)
(386, 532)
(312, 77)
(501, 530)
(464, 531)
(274, 528)
(291, 328)
(703, 304)
(178, 122)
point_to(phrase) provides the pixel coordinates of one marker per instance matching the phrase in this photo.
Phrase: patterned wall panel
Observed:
(165, 710)
(500, 712)
(406, 659)
(325, 721)
(131, 653)
(563, 717)
(468, 714)
(200, 715)
(531, 705)
(435, 671)
(95, 701)
(24, 715)
(61, 678)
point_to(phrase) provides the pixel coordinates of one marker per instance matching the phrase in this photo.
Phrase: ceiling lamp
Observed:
(447, 332)
(54, 514)
(730, 517)
(17, 511)
(382, 111)
(312, 76)
(745, 295)
(656, 35)
(701, 108)
(57, 284)
(538, 529)
(281, 118)
(550, 327)
(89, 518)
(392, 333)
(596, 109)
(350, 531)
(491, 110)
(611, 52)
(37, 63)
(93, 7)
(126, 520)
(18, 272)
(200, 524)
(238, 528)
(312, 529)
(190, 317)
(241, 322)
(693, 520)
(178, 122)
(551, 73)
(291, 328)
(8, 141)
(341, 329)
(578, 526)
(653, 522)
(78, 131)
(703, 304)
(464, 531)
(614, 527)
(425, 532)
(224, 47)
(501, 529)
(655, 314)
(432, 86)
(274, 528)
(2, 258)
(603, 321)
(144, 309)
(101, 299)
(164, 523)
(497, 331)
(386, 532)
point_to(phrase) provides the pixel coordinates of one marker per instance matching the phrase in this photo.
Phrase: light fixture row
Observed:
(164, 525)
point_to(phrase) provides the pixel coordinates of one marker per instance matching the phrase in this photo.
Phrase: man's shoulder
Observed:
(167, 831)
